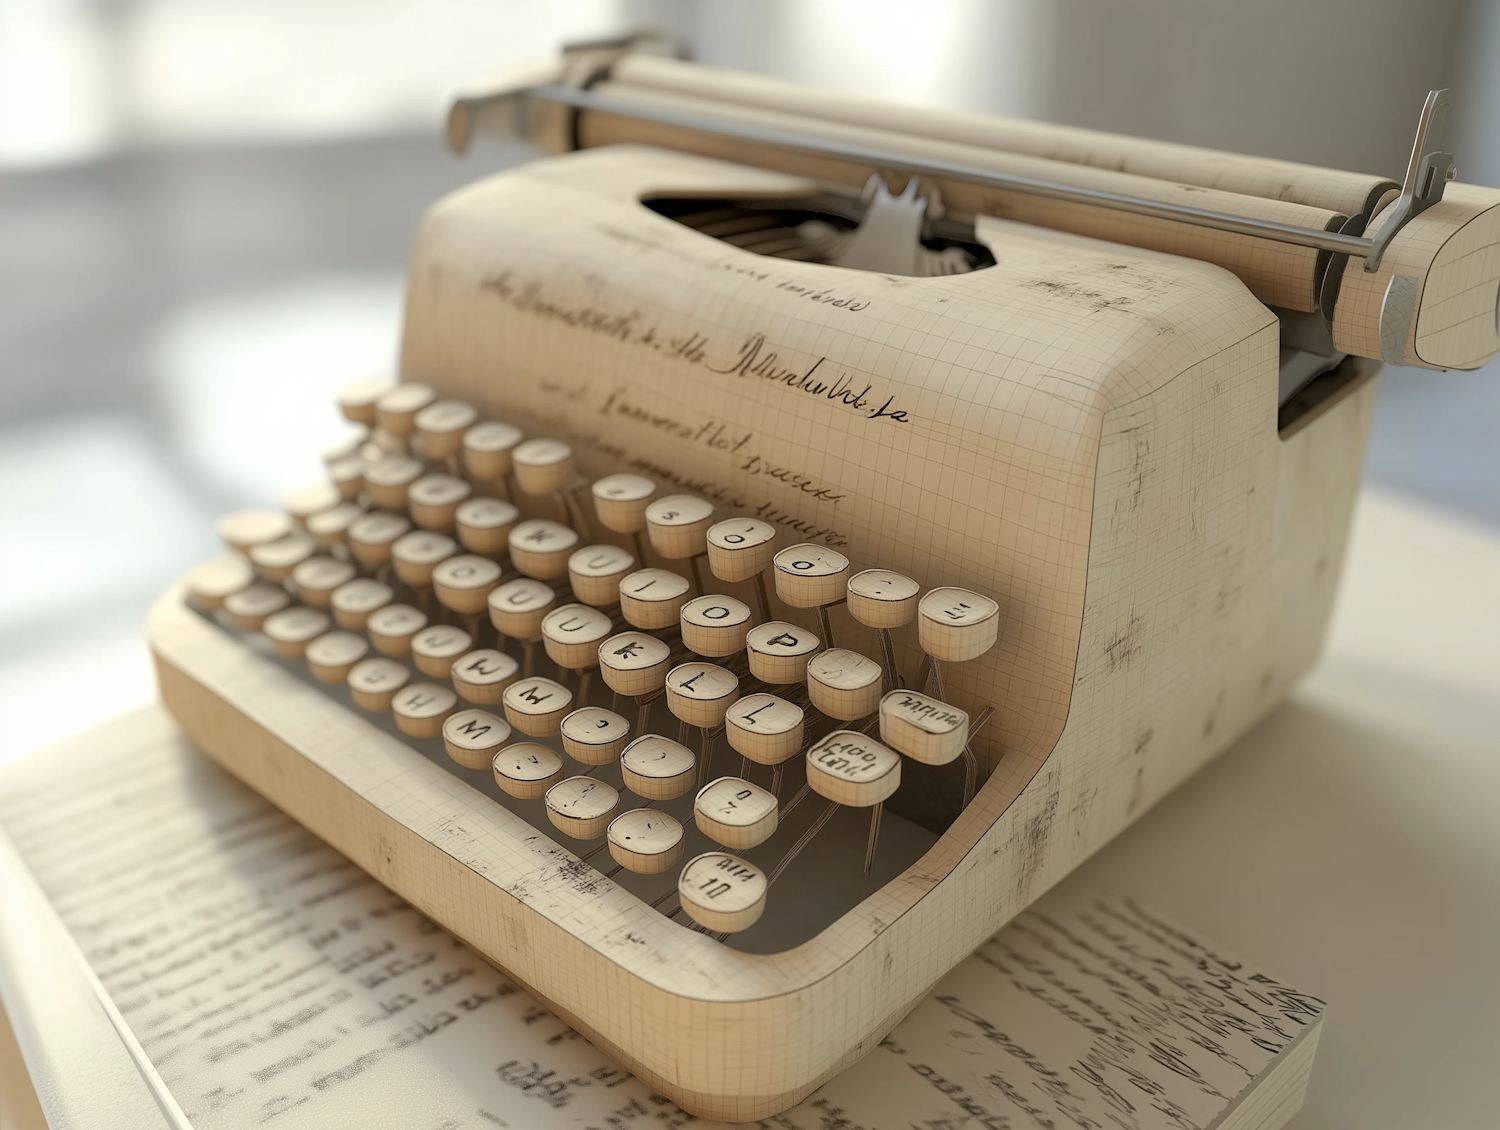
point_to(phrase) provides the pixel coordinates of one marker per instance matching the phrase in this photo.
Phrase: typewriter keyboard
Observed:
(573, 650)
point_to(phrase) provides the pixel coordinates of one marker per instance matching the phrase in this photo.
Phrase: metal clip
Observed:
(1427, 174)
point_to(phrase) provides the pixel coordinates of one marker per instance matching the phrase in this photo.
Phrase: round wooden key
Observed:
(778, 651)
(924, 728)
(374, 682)
(487, 449)
(482, 676)
(735, 813)
(594, 736)
(542, 466)
(246, 528)
(421, 709)
(303, 503)
(249, 607)
(331, 527)
(417, 554)
(852, 769)
(353, 603)
(844, 684)
(700, 693)
(634, 663)
(292, 629)
(540, 548)
(722, 892)
(357, 401)
(572, 635)
(620, 502)
(389, 479)
(527, 770)
(765, 728)
(442, 426)
(956, 625)
(392, 627)
(371, 537)
(678, 525)
(879, 598)
(645, 841)
(434, 500)
(434, 649)
(715, 625)
(396, 409)
(595, 572)
(347, 447)
(275, 560)
(317, 577)
(653, 598)
(517, 607)
(464, 583)
(658, 768)
(537, 706)
(582, 807)
(484, 525)
(348, 475)
(740, 548)
(209, 584)
(332, 655)
(473, 737)
(810, 576)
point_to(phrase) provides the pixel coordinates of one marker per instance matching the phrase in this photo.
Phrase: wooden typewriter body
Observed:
(1084, 431)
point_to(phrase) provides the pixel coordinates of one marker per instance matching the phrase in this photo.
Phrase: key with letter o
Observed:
(372, 536)
(634, 663)
(389, 479)
(317, 577)
(332, 655)
(582, 807)
(594, 736)
(434, 649)
(653, 598)
(392, 627)
(396, 409)
(620, 502)
(275, 560)
(416, 554)
(765, 728)
(537, 706)
(374, 682)
(540, 548)
(645, 841)
(420, 709)
(517, 607)
(849, 768)
(482, 676)
(715, 625)
(302, 504)
(487, 449)
(212, 582)
(721, 892)
(473, 737)
(595, 572)
(740, 548)
(292, 629)
(700, 693)
(249, 607)
(734, 813)
(956, 625)
(879, 598)
(543, 466)
(484, 525)
(844, 684)
(464, 583)
(357, 401)
(678, 525)
(527, 770)
(434, 500)
(658, 768)
(778, 651)
(246, 528)
(442, 426)
(572, 634)
(354, 602)
(810, 576)
(924, 728)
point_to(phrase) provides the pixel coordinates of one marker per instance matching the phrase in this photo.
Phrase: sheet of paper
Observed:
(273, 983)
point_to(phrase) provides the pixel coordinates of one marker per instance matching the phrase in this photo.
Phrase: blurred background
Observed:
(205, 207)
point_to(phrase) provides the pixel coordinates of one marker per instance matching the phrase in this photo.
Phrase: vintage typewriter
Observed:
(805, 528)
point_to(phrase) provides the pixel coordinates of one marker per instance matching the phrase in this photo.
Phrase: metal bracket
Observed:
(1427, 175)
